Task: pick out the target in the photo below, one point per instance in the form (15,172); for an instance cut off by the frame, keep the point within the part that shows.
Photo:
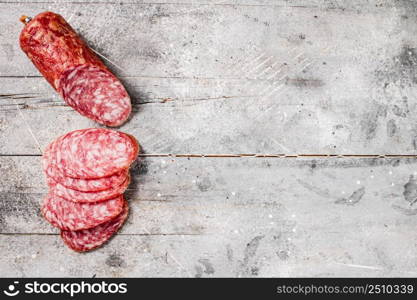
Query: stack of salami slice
(87,173)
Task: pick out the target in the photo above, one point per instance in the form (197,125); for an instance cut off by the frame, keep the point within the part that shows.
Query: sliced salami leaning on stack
(89,239)
(87,172)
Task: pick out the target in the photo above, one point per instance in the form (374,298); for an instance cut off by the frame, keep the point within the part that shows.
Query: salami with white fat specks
(68,215)
(95,153)
(95,93)
(83,185)
(89,239)
(88,197)
(74,70)
(87,172)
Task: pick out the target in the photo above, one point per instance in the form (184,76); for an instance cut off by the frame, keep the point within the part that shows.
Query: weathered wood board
(241,216)
(230,78)
(314,78)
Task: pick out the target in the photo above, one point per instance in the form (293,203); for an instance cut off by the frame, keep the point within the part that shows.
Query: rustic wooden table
(279,137)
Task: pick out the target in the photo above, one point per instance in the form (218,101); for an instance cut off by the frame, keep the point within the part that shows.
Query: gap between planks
(121,234)
(225,4)
(196,77)
(130,76)
(255,155)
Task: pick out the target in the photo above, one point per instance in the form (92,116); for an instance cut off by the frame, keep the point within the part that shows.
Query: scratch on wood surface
(406,211)
(179,264)
(107,59)
(321,192)
(28,128)
(181,99)
(360,266)
(279,144)
(18,96)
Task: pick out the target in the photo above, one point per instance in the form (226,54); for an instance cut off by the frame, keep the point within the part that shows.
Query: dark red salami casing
(73,69)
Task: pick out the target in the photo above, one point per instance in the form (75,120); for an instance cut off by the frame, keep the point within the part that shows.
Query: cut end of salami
(95,93)
(89,239)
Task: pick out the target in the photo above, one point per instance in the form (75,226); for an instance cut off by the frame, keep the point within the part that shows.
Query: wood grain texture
(230,78)
(213,116)
(311,79)
(276,216)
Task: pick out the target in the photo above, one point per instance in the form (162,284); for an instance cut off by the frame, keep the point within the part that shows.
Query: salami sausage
(68,215)
(88,197)
(95,152)
(73,70)
(89,239)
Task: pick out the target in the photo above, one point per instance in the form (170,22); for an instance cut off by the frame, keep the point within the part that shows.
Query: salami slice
(91,185)
(68,215)
(83,185)
(64,59)
(95,93)
(89,239)
(95,152)
(88,197)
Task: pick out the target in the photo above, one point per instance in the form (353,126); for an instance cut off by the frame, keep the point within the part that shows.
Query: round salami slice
(89,185)
(68,215)
(95,93)
(88,197)
(95,152)
(89,239)
(83,185)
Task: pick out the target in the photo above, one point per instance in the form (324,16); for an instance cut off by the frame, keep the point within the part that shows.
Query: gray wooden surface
(279,138)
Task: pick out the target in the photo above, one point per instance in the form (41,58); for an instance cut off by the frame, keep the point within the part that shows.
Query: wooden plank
(279,3)
(203,256)
(206,41)
(299,217)
(204,116)
(233,79)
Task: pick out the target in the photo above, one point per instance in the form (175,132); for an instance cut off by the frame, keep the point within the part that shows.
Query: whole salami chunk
(82,185)
(68,215)
(73,69)
(88,197)
(89,239)
(95,152)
